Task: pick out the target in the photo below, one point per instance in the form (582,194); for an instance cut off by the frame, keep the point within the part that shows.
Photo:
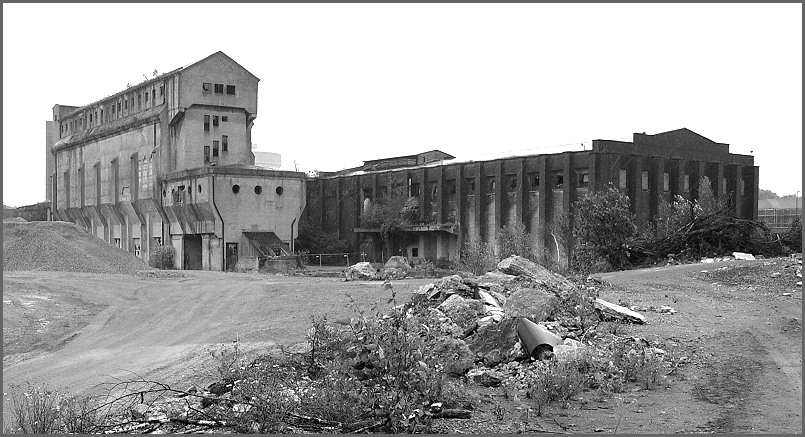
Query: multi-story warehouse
(472,201)
(169,161)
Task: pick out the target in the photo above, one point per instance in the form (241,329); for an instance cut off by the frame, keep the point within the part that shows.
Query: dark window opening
(382,191)
(230,89)
(451,187)
(414,252)
(512,183)
(146,97)
(490,185)
(559,181)
(139,101)
(199,188)
(215,120)
(471,186)
(154,95)
(224,119)
(258,189)
(206,123)
(434,190)
(219,88)
(224,143)
(279,191)
(206,153)
(584,179)
(215,149)
(206,87)
(161,90)
(236,188)
(414,190)
(118,106)
(126,104)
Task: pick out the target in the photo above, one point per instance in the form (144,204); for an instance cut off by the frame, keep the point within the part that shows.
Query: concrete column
(718,185)
(178,258)
(322,203)
(680,181)
(479,203)
(338,193)
(440,195)
(700,171)
(461,202)
(595,184)
(754,190)
(422,187)
(421,245)
(568,196)
(522,196)
(499,193)
(737,196)
(205,251)
(657,192)
(544,201)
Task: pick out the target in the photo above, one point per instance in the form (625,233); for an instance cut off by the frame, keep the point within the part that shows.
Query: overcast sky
(344,83)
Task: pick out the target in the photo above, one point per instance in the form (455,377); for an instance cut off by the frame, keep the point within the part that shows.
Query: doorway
(231,256)
(192,252)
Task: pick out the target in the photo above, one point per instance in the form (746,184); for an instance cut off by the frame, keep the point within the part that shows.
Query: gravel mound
(64,247)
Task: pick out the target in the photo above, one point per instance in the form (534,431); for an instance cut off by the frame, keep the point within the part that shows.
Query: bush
(477,258)
(39,410)
(603,228)
(162,258)
(515,240)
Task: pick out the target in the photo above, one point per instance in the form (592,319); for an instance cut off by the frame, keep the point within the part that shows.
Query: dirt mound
(62,246)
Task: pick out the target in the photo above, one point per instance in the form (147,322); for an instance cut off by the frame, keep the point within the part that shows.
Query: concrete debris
(619,312)
(516,265)
(486,377)
(398,262)
(463,312)
(362,271)
(743,256)
(708,260)
(529,302)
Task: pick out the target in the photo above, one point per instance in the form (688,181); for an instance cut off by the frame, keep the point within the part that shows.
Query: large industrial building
(471,201)
(169,162)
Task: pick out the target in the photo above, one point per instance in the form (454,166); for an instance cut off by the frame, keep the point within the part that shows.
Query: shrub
(477,258)
(604,227)
(162,258)
(515,240)
(39,410)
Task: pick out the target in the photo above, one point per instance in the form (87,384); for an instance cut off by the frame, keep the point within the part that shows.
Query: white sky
(344,83)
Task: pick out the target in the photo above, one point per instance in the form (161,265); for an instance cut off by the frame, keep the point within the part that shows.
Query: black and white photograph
(402,218)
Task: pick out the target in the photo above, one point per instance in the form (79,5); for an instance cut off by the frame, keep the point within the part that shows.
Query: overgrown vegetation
(162,258)
(41,410)
(602,230)
(477,258)
(391,213)
(314,240)
(515,240)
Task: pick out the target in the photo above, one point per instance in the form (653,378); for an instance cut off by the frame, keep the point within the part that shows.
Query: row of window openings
(666,182)
(136,245)
(219,88)
(224,119)
(178,194)
(115,109)
(224,148)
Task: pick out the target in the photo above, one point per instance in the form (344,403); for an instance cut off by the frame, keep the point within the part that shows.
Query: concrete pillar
(680,182)
(499,193)
(461,203)
(205,251)
(595,184)
(753,190)
(440,195)
(421,245)
(178,258)
(479,203)
(522,193)
(544,202)
(737,196)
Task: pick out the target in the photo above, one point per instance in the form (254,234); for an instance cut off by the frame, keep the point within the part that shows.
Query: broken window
(206,87)
(558,180)
(224,119)
(490,185)
(101,115)
(622,179)
(644,180)
(470,186)
(153,95)
(158,241)
(258,189)
(161,90)
(434,190)
(118,106)
(117,243)
(413,190)
(146,96)
(512,183)
(215,149)
(206,123)
(584,178)
(236,188)
(224,143)
(126,104)
(414,252)
(139,101)
(219,88)
(215,120)
(206,153)
(136,243)
(666,182)
(230,89)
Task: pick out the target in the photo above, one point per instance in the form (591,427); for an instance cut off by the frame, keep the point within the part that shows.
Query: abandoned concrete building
(169,162)
(471,201)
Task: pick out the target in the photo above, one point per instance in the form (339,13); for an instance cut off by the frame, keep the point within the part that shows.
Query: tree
(391,214)
(604,227)
(767,194)
(515,240)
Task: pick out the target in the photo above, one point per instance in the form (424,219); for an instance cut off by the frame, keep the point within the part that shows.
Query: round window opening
(199,188)
(235,188)
(279,190)
(258,189)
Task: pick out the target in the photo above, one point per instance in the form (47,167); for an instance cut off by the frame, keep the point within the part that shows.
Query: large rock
(517,265)
(453,354)
(397,262)
(463,312)
(360,271)
(446,325)
(533,303)
(495,343)
(487,280)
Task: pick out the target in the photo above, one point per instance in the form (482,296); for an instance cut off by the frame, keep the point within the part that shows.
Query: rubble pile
(62,246)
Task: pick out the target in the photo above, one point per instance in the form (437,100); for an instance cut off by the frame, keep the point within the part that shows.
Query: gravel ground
(62,246)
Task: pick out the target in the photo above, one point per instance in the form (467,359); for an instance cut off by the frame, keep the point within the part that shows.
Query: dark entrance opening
(192,252)
(231,256)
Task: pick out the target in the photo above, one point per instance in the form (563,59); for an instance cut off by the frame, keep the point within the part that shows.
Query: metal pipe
(223,241)
(292,245)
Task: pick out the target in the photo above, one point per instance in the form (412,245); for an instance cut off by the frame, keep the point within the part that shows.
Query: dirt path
(158,327)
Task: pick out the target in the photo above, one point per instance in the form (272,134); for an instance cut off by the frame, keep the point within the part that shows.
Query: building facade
(472,201)
(169,162)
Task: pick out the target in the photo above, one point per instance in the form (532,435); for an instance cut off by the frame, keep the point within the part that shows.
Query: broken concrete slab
(502,279)
(517,265)
(743,256)
(454,354)
(495,343)
(486,377)
(533,303)
(397,262)
(619,311)
(462,311)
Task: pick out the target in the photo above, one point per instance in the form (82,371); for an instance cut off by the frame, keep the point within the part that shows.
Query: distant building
(268,160)
(169,162)
(472,201)
(778,214)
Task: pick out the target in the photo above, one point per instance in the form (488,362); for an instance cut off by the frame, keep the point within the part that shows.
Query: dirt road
(75,330)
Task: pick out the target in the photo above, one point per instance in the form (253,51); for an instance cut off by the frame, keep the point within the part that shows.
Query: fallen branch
(452,414)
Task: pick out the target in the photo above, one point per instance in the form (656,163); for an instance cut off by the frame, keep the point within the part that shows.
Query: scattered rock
(743,256)
(398,262)
(454,354)
(529,302)
(516,265)
(494,344)
(360,271)
(463,312)
(486,377)
(619,312)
